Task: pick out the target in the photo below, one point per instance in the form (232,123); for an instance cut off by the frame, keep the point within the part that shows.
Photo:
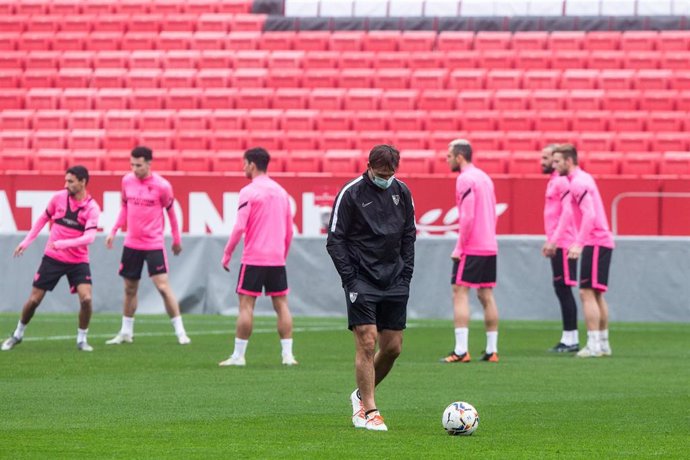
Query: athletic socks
(240,348)
(593,340)
(570,338)
(81,335)
(461,335)
(19,332)
(491,342)
(127,326)
(179,327)
(286,345)
(604,338)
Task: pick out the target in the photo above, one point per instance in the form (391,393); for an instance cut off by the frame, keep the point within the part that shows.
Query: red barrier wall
(206,201)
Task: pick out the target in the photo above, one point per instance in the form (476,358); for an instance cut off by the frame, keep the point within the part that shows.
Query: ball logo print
(460,419)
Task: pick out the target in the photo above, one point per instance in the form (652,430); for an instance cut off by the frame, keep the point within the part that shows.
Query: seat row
(348,161)
(235,139)
(134,7)
(420,79)
(340,99)
(345,60)
(246,34)
(676,123)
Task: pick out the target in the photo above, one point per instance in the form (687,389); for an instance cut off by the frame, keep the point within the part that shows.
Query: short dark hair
(259,156)
(462,147)
(142,152)
(568,151)
(80,172)
(384,156)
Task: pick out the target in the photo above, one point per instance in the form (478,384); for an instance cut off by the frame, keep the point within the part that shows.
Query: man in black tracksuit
(371,239)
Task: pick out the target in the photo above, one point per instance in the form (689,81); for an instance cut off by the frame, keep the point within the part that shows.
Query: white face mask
(383,183)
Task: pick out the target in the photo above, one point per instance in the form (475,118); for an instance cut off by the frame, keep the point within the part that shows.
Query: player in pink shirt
(264,217)
(73,217)
(474,256)
(594,244)
(560,234)
(145,195)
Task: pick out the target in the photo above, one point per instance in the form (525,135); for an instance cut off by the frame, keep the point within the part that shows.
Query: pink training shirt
(143,201)
(588,211)
(73,226)
(476,202)
(265,219)
(557,198)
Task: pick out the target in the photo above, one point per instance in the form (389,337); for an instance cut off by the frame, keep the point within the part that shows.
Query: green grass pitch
(157,399)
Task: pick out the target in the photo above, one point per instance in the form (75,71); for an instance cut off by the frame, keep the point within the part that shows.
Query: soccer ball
(460,418)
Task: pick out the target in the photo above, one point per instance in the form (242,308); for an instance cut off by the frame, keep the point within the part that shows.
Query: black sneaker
(490,357)
(563,348)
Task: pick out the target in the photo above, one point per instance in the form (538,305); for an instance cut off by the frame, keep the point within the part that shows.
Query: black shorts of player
(474,271)
(51,270)
(594,268)
(253,279)
(564,269)
(367,304)
(132,262)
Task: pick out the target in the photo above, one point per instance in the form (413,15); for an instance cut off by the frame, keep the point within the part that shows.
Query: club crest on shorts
(396,199)
(353,297)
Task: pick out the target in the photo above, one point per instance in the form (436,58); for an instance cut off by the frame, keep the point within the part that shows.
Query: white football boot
(375,422)
(10,343)
(233,361)
(119,339)
(84,346)
(358,419)
(183,339)
(289,360)
(588,352)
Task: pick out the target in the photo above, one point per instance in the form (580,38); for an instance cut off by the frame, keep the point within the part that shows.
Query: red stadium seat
(228,140)
(602,162)
(113,98)
(92,159)
(591,120)
(461,60)
(241,40)
(428,79)
(16,119)
(579,79)
(120,140)
(493,162)
(497,60)
(455,41)
(558,40)
(681,80)
(305,161)
(11,60)
(668,142)
(50,119)
(264,119)
(157,140)
(606,60)
(478,121)
(504,79)
(252,98)
(616,79)
(414,120)
(674,60)
(642,60)
(523,162)
(392,78)
(285,59)
(117,160)
(529,40)
(516,120)
(341,161)
(285,78)
(417,41)
(363,99)
(370,120)
(247,22)
(249,78)
(312,40)
(675,163)
(85,119)
(15,139)
(15,160)
(85,139)
(633,142)
(300,140)
(193,161)
(521,141)
(659,100)
(410,140)
(416,161)
(121,119)
(474,100)
(334,120)
(228,119)
(590,142)
(193,119)
(76,59)
(490,40)
(609,40)
(621,100)
(511,99)
(213,78)
(301,120)
(485,140)
(627,120)
(277,40)
(441,120)
(570,60)
(439,140)
(78,99)
(216,59)
(640,164)
(381,40)
(541,79)
(673,40)
(38,78)
(356,78)
(437,100)
(650,79)
(291,98)
(336,140)
(533,59)
(551,120)
(50,160)
(39,98)
(365,140)
(320,78)
(346,41)
(193,140)
(467,79)
(399,99)
(269,139)
(179,22)
(326,99)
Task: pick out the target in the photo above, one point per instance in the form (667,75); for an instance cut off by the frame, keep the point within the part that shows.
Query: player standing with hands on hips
(73,216)
(264,218)
(144,196)
(371,239)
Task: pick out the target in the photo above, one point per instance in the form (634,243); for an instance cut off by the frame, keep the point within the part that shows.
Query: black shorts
(564,269)
(371,305)
(51,270)
(253,279)
(132,262)
(474,271)
(594,268)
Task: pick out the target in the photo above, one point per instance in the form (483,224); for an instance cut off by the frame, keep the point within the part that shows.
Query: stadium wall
(648,280)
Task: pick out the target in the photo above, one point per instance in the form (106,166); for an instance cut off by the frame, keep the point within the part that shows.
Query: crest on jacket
(353,297)
(396,199)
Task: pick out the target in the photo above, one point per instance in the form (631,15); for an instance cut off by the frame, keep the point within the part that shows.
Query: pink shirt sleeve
(464,199)
(122,217)
(585,201)
(35,230)
(288,226)
(238,229)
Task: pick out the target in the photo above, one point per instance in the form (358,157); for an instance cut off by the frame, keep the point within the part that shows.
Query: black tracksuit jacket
(372,232)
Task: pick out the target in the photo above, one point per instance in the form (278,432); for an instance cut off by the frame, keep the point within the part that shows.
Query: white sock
(81,335)
(19,332)
(491,342)
(127,326)
(461,336)
(593,340)
(179,327)
(286,345)
(240,348)
(604,337)
(570,337)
